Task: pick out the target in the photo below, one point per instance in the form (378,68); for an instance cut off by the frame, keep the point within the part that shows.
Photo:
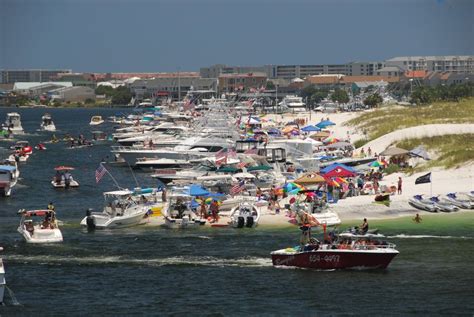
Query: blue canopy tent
(197,190)
(310,128)
(324,124)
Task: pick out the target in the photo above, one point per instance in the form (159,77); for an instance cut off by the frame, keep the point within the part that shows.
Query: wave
(425,236)
(154,262)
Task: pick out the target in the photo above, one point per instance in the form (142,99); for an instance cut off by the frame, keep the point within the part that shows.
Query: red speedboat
(348,250)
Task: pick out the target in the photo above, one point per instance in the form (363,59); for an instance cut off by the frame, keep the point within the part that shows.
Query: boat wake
(153,262)
(421,236)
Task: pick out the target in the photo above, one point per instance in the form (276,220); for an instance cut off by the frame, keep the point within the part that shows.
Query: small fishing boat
(346,251)
(244,215)
(13,123)
(2,279)
(456,200)
(99,136)
(46,231)
(120,211)
(178,213)
(8,179)
(96,120)
(47,123)
(421,203)
(63,178)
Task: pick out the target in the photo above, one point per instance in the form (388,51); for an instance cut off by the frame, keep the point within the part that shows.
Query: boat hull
(183,223)
(107,222)
(334,259)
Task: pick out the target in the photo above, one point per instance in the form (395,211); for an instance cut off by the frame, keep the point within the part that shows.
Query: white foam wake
(425,236)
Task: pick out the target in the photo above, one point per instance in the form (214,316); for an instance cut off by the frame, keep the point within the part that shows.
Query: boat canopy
(39,213)
(118,193)
(63,168)
(8,168)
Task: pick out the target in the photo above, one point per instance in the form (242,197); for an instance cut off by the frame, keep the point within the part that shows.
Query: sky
(171,35)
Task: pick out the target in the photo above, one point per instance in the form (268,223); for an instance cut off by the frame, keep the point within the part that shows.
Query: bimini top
(32,213)
(63,168)
(8,168)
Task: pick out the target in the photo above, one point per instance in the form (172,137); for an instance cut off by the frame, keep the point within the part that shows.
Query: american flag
(251,151)
(237,188)
(99,173)
(221,157)
(241,165)
(250,102)
(231,153)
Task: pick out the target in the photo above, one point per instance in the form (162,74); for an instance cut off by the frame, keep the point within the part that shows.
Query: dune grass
(388,119)
(451,151)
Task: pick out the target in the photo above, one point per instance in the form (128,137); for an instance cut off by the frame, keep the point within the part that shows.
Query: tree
(122,96)
(105,90)
(373,100)
(308,91)
(270,85)
(340,96)
(319,95)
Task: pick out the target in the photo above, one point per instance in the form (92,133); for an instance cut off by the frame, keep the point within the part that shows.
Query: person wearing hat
(51,206)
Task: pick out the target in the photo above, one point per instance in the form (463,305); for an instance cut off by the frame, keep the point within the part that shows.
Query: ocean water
(208,271)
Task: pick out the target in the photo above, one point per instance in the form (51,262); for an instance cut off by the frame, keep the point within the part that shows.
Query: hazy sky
(146,35)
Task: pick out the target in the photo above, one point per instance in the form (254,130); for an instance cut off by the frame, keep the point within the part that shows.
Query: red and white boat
(349,250)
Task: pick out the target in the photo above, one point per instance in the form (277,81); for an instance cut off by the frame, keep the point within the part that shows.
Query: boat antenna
(113,179)
(133,174)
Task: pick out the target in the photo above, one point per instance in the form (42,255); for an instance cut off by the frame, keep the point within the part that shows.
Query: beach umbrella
(310,178)
(394,151)
(376,164)
(330,140)
(324,124)
(310,128)
(294,191)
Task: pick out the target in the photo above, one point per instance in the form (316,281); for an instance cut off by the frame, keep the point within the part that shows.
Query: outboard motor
(249,223)
(240,222)
(90,221)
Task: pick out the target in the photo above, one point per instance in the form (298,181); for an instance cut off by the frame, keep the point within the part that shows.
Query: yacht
(192,148)
(47,123)
(13,123)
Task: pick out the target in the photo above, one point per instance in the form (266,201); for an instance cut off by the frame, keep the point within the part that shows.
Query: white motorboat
(2,279)
(46,231)
(458,201)
(63,178)
(443,205)
(162,163)
(178,213)
(96,120)
(421,203)
(8,179)
(120,211)
(320,214)
(244,215)
(47,123)
(293,103)
(13,123)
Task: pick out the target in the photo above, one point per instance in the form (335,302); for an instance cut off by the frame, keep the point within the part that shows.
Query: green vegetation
(373,100)
(340,96)
(270,85)
(119,96)
(425,94)
(451,150)
(388,119)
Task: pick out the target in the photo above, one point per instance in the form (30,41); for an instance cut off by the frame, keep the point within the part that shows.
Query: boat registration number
(325,258)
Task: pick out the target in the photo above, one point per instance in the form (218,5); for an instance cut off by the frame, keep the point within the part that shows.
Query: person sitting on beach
(364,227)
(417,218)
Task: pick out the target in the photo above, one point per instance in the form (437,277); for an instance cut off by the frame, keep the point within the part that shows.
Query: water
(209,271)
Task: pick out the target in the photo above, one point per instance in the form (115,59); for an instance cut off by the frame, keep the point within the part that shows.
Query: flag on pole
(237,188)
(251,151)
(423,179)
(221,157)
(241,165)
(232,153)
(100,172)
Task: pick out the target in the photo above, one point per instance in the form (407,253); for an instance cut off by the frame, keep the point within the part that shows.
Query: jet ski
(455,200)
(421,203)
(443,206)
